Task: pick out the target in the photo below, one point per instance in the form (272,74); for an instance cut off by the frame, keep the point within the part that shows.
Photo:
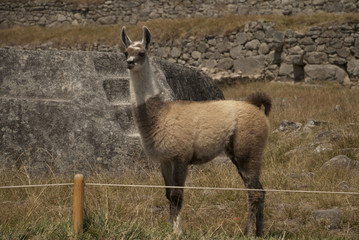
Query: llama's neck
(143,84)
(147,101)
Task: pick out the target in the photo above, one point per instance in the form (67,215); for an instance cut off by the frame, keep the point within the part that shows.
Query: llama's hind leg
(174,174)
(249,170)
(255,205)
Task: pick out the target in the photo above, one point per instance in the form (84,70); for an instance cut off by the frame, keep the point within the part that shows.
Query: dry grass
(164,29)
(66,1)
(135,213)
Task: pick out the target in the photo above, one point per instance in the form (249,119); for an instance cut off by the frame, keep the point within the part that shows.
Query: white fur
(177,225)
(142,85)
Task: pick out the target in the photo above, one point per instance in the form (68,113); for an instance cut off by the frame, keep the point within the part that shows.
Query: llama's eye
(142,54)
(126,54)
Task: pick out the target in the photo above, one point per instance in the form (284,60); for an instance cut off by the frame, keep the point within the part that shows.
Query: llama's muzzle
(130,62)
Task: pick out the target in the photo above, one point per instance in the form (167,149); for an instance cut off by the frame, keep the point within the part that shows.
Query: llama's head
(136,52)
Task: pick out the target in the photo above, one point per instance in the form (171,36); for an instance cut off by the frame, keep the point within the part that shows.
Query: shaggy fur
(181,133)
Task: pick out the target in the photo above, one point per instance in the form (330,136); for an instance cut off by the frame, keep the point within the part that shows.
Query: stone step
(121,103)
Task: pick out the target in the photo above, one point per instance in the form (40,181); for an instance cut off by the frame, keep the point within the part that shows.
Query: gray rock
(325,72)
(60,17)
(295,60)
(286,70)
(345,186)
(306,41)
(343,52)
(236,52)
(339,162)
(211,63)
(296,50)
(263,49)
(339,108)
(269,75)
(107,20)
(313,123)
(336,43)
(330,217)
(260,35)
(252,45)
(356,47)
(164,52)
(212,42)
(202,47)
(318,2)
(327,135)
(315,57)
(286,125)
(249,66)
(353,68)
(176,52)
(196,55)
(225,63)
(78,16)
(241,38)
(323,147)
(297,150)
(278,37)
(223,46)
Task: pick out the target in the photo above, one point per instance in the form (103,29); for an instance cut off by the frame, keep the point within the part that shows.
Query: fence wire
(182,187)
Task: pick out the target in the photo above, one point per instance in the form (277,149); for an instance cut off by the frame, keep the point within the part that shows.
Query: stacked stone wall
(261,52)
(77,12)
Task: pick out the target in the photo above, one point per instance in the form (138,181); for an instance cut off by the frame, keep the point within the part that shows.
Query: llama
(181,133)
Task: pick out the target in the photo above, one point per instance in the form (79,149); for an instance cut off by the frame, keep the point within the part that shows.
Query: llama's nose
(130,63)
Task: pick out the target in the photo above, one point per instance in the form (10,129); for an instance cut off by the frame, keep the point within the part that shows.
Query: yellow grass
(164,29)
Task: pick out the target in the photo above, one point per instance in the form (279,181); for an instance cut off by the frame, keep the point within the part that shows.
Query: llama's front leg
(174,174)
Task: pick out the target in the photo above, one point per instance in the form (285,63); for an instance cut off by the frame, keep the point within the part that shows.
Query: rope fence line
(79,193)
(184,187)
(37,185)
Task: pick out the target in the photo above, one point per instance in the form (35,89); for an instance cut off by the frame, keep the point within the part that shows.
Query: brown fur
(197,131)
(181,133)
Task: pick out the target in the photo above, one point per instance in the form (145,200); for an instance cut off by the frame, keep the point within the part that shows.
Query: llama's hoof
(176,226)
(177,231)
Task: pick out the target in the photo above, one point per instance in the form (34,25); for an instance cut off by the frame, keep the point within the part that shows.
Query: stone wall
(261,52)
(54,12)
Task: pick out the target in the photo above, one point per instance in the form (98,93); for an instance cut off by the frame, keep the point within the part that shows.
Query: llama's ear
(125,39)
(146,37)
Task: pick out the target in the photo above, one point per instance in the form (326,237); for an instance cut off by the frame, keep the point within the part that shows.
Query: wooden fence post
(78,208)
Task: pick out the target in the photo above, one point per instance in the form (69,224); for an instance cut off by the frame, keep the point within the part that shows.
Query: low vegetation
(164,29)
(290,162)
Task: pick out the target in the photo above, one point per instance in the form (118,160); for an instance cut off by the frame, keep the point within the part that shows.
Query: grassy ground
(164,29)
(135,213)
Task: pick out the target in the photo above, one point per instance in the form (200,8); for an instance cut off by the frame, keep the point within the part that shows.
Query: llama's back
(204,128)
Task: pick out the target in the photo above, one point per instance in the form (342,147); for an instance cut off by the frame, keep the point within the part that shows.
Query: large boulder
(65,112)
(339,162)
(249,66)
(326,72)
(353,68)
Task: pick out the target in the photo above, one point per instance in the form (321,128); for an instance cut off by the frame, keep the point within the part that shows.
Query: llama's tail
(258,99)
